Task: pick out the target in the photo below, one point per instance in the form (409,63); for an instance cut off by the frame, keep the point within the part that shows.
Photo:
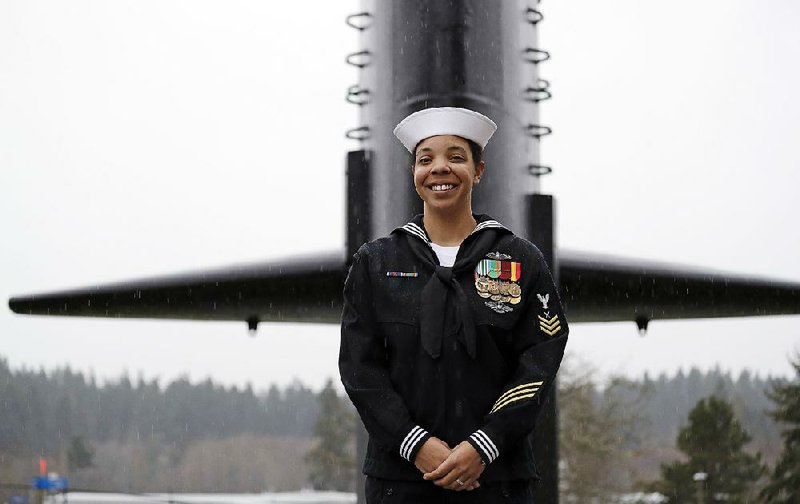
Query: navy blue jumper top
(461,353)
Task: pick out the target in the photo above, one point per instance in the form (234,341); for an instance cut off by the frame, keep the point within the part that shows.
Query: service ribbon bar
(504,270)
(404,274)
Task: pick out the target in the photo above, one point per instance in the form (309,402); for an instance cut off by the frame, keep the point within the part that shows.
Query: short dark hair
(477,152)
(474,148)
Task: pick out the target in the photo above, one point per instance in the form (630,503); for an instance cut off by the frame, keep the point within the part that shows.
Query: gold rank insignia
(549,326)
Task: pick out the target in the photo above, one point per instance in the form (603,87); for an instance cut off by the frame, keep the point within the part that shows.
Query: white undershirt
(446,255)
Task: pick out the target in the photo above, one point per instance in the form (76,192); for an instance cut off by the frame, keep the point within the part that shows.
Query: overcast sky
(147,137)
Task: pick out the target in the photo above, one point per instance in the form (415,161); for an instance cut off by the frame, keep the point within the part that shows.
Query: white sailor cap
(444,121)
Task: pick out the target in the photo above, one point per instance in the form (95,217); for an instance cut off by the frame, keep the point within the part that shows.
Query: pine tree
(332,459)
(80,454)
(784,484)
(713,443)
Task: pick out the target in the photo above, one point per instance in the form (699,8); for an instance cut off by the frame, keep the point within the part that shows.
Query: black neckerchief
(436,293)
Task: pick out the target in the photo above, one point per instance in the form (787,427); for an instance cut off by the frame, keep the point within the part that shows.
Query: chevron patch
(549,326)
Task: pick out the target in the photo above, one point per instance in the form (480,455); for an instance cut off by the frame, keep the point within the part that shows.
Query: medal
(496,280)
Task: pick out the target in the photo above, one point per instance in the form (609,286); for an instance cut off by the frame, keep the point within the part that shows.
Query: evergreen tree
(332,459)
(713,442)
(784,484)
(80,454)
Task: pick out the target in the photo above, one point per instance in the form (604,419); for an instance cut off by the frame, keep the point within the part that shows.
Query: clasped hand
(454,469)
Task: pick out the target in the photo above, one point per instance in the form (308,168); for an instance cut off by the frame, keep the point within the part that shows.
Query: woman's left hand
(459,471)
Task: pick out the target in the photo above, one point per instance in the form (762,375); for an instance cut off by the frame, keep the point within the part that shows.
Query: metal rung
(538,93)
(535,56)
(533,16)
(538,170)
(537,131)
(359,59)
(361,133)
(363,25)
(357,95)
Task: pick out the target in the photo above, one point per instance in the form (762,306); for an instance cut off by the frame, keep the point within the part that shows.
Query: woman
(452,333)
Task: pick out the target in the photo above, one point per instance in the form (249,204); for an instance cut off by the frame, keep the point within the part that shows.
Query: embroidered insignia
(496,280)
(404,274)
(524,391)
(498,306)
(549,326)
(498,256)
(544,300)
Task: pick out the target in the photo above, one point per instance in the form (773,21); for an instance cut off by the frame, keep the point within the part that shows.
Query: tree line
(140,435)
(40,410)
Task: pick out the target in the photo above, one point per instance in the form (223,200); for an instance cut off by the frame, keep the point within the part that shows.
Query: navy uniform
(462,353)
(475,366)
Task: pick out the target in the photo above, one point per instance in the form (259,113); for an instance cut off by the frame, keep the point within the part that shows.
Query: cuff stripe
(411,440)
(482,446)
(486,445)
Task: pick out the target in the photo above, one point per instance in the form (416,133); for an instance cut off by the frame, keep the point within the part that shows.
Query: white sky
(147,137)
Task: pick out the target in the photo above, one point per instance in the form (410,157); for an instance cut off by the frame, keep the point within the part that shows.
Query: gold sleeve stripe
(511,396)
(509,401)
(518,392)
(524,385)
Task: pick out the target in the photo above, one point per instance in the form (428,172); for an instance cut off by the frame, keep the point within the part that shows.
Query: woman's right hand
(433,452)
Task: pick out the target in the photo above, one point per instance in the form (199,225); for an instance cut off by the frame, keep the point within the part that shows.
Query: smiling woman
(444,173)
(452,333)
